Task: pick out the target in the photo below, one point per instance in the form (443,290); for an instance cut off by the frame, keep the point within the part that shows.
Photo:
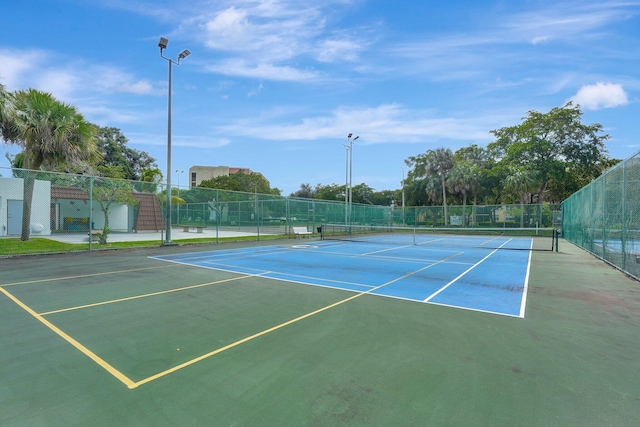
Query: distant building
(197,174)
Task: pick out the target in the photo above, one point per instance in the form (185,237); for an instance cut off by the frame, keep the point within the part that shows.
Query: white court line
(523,303)
(394,258)
(465,272)
(218,254)
(385,250)
(262,273)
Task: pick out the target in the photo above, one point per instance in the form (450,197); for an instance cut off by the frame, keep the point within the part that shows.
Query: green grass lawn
(39,245)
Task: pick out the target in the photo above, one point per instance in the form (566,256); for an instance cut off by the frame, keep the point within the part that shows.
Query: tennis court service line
(464,273)
(100,361)
(81,276)
(191,258)
(168,291)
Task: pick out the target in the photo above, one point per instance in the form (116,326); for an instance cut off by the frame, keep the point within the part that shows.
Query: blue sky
(276,85)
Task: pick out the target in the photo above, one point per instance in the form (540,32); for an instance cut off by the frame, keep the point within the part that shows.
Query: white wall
(13,189)
(118,216)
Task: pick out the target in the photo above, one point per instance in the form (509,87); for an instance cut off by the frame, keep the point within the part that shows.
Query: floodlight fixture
(162,44)
(349,185)
(184,54)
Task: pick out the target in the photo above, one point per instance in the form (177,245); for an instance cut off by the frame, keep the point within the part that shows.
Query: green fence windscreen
(604,216)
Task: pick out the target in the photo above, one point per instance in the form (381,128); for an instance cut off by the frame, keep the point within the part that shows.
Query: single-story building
(68,209)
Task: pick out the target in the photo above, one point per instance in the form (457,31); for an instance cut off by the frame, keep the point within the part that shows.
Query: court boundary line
(525,291)
(81,276)
(151,294)
(84,350)
(275,328)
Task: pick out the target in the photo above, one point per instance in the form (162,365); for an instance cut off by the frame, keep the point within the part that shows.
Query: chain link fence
(604,216)
(89,211)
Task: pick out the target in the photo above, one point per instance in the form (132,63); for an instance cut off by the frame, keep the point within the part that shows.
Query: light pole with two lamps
(179,172)
(350,141)
(162,44)
(403,218)
(346,184)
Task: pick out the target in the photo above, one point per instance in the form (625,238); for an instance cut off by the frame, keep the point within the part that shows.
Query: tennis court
(471,277)
(319,332)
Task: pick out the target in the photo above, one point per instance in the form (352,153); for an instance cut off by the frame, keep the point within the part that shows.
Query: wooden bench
(300,231)
(199,228)
(94,235)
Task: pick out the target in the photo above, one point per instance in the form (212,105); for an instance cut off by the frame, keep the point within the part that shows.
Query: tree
(106,191)
(8,120)
(51,134)
(115,152)
(332,192)
(386,197)
(462,178)
(519,182)
(362,194)
(548,143)
(434,163)
(306,191)
(479,162)
(149,180)
(240,181)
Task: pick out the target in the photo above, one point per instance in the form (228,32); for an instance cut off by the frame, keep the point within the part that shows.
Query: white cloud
(565,21)
(338,49)
(255,92)
(601,95)
(16,65)
(66,80)
(264,71)
(268,31)
(387,123)
(274,39)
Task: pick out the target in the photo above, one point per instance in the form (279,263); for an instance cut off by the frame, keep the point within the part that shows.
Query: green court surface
(116,338)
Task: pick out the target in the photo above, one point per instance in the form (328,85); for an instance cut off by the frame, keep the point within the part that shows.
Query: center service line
(465,272)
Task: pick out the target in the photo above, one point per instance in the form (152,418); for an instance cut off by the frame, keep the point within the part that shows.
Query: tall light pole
(162,44)
(351,141)
(346,184)
(179,172)
(402,195)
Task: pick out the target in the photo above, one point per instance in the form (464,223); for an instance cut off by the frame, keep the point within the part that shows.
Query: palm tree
(439,163)
(520,182)
(51,134)
(462,179)
(7,115)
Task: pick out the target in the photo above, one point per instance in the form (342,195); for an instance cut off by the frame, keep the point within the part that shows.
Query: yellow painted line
(275,328)
(113,371)
(46,313)
(84,275)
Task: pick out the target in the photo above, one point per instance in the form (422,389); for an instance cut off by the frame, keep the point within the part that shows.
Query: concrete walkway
(176,234)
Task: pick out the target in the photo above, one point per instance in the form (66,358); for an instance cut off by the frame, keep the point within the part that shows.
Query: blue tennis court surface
(487,280)
(615,245)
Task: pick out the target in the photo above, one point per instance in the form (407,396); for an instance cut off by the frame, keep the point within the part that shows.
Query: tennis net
(540,239)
